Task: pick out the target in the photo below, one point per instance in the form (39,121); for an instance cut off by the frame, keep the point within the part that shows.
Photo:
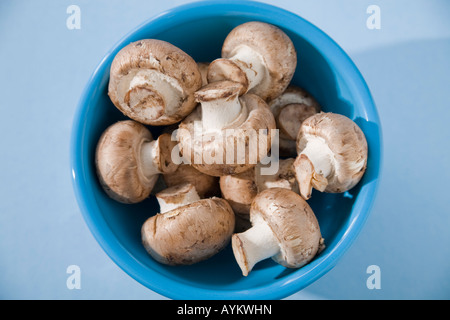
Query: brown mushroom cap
(273,45)
(164,154)
(283,178)
(292,222)
(218,90)
(290,109)
(347,143)
(190,233)
(227,70)
(259,118)
(207,186)
(144,102)
(240,189)
(118,162)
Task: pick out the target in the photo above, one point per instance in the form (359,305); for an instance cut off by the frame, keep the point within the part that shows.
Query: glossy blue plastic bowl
(324,70)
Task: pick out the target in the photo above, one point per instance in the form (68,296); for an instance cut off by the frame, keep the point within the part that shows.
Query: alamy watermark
(373,22)
(374,280)
(73,21)
(74,279)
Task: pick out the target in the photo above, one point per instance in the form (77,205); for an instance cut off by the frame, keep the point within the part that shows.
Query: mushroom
(258,55)
(177,196)
(187,230)
(284,228)
(207,186)
(290,109)
(153,82)
(128,160)
(203,68)
(226,134)
(240,189)
(332,154)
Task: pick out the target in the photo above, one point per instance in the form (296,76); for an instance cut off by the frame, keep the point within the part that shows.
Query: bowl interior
(323,69)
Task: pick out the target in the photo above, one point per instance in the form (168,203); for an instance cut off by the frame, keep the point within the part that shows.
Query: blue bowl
(199,29)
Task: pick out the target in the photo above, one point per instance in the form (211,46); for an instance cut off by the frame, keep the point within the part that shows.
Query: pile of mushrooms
(203,107)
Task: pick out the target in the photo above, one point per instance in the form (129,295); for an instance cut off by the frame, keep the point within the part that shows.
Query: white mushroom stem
(176,197)
(251,63)
(220,105)
(313,166)
(256,244)
(216,114)
(149,158)
(320,155)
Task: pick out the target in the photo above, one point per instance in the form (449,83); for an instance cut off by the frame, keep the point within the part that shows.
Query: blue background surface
(44,67)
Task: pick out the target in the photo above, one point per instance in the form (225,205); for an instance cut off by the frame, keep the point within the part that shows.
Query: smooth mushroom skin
(240,189)
(207,186)
(153,82)
(284,228)
(258,55)
(290,109)
(128,160)
(190,233)
(332,154)
(207,147)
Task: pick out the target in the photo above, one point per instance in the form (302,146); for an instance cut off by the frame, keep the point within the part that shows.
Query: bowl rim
(176,290)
